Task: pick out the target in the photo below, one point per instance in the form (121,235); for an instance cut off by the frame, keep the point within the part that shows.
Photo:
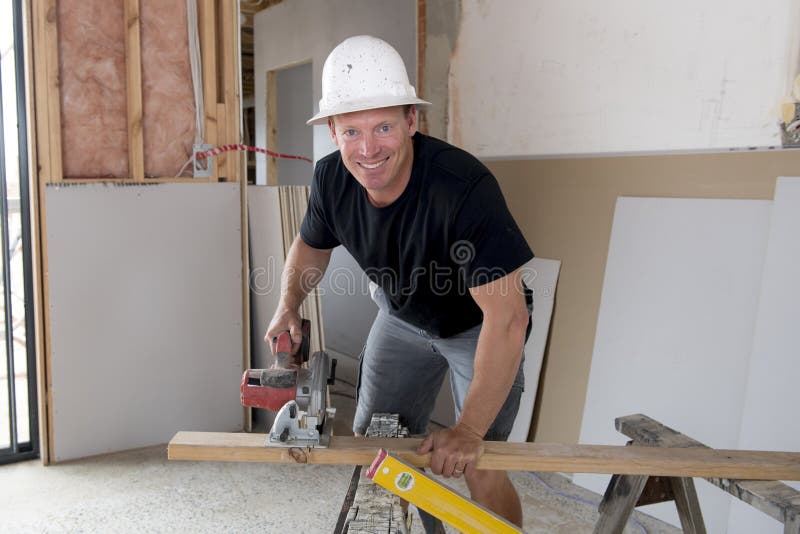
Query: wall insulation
(94,97)
(168,123)
(92,75)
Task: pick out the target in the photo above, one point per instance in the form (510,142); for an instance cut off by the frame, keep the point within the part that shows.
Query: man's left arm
(497,358)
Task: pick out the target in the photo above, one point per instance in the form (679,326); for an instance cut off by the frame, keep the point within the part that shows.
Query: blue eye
(385,128)
(350,132)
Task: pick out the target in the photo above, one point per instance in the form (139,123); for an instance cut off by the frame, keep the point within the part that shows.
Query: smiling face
(376,148)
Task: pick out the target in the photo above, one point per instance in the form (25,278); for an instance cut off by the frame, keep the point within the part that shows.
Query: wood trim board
(133,61)
(547,457)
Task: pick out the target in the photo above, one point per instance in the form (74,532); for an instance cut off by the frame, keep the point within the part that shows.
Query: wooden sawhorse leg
(792,525)
(626,492)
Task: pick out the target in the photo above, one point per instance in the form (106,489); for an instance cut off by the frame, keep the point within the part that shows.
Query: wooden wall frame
(219,31)
(218,22)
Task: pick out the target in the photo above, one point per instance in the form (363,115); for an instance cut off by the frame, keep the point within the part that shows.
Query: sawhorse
(625,492)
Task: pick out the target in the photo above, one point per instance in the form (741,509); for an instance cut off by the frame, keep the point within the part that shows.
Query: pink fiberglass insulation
(168,124)
(92,74)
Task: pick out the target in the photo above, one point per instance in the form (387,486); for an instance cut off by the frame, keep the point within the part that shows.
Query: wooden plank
(272,131)
(40,170)
(618,502)
(774,498)
(688,506)
(133,63)
(792,525)
(422,39)
(52,81)
(221,160)
(230,62)
(548,457)
(49,170)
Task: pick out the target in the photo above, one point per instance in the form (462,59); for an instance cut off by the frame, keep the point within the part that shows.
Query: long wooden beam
(548,457)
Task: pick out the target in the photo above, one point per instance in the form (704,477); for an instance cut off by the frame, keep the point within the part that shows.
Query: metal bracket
(202,167)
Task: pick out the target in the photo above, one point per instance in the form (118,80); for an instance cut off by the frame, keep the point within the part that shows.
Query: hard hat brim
(362,105)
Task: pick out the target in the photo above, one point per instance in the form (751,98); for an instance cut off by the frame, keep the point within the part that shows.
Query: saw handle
(288,353)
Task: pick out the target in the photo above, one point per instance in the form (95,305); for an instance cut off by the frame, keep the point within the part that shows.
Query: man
(428,224)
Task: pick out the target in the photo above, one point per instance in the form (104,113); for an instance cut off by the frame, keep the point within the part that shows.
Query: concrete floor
(140,491)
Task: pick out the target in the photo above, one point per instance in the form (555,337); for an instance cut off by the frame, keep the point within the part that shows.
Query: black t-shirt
(448,231)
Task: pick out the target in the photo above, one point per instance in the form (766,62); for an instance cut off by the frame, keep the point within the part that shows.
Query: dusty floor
(140,491)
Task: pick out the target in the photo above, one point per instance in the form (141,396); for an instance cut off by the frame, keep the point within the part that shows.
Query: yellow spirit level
(440,501)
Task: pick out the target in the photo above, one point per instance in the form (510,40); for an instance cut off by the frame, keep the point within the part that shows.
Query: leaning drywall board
(676,324)
(540,275)
(145,313)
(769,420)
(583,77)
(266,264)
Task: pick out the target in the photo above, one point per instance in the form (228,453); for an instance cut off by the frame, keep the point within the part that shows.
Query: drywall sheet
(168,113)
(92,80)
(582,77)
(540,275)
(769,420)
(675,326)
(145,313)
(347,309)
(266,265)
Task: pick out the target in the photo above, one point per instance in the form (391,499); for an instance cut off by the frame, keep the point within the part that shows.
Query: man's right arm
(303,270)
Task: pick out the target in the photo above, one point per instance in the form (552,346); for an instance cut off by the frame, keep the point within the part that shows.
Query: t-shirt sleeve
(489,245)
(315,230)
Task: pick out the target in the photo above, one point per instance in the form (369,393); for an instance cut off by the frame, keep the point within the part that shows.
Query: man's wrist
(288,304)
(471,429)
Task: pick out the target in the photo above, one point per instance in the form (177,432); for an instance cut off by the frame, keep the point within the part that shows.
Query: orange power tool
(294,386)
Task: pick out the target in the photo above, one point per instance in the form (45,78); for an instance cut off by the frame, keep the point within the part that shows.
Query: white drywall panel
(675,326)
(769,420)
(347,310)
(301,30)
(584,77)
(266,265)
(145,313)
(541,276)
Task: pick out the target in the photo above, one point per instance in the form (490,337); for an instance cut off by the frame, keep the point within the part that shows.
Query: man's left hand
(455,451)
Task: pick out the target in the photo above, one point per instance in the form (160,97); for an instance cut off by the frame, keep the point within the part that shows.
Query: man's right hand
(284,320)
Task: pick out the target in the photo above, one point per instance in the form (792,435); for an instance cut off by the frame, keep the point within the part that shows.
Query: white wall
(293,88)
(676,325)
(297,31)
(536,77)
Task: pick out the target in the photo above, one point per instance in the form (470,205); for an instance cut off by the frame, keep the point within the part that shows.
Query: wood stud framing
(272,130)
(133,62)
(218,23)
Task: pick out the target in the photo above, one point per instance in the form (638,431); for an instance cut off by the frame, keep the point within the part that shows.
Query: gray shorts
(402,368)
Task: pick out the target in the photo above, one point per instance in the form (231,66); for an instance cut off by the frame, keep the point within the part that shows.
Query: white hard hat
(363,72)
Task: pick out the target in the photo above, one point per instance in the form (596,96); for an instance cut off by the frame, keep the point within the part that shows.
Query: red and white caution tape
(245,148)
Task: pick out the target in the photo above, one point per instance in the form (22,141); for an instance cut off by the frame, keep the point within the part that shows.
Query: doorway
(289,106)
